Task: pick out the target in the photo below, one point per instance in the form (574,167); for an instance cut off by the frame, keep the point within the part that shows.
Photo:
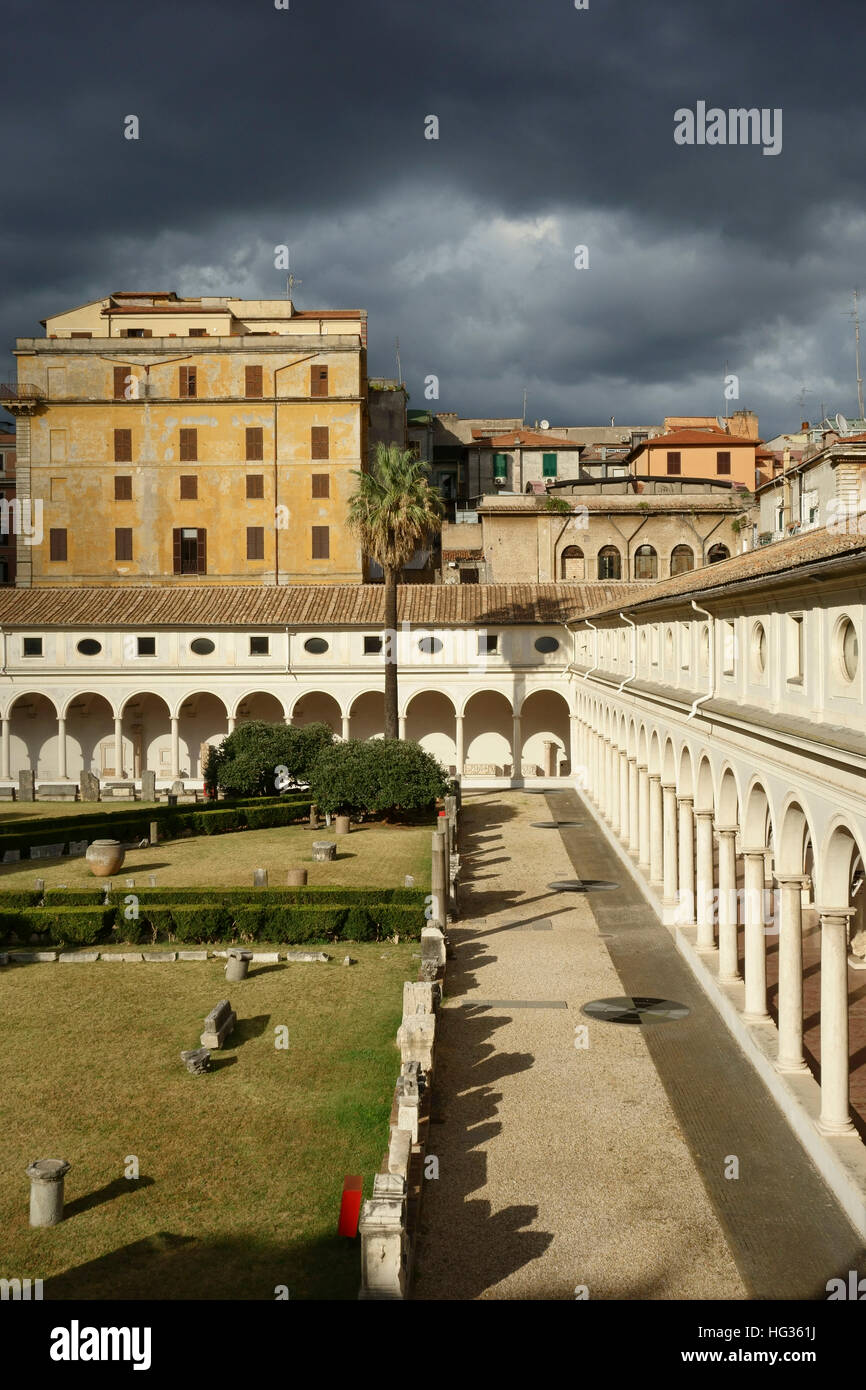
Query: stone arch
(682,560)
(318,707)
(487,730)
(704,791)
(609,563)
(646,562)
(795,836)
(543,722)
(669,764)
(757,829)
(89,728)
(717,553)
(685,778)
(728,799)
(572,563)
(655,755)
(33,735)
(430,721)
(146,738)
(259,704)
(841,854)
(203,724)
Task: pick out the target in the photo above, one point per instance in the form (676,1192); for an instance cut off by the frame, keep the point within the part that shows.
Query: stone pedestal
(148,785)
(314,816)
(26,786)
(46,1190)
(196,1061)
(296,878)
(384,1241)
(341,825)
(88,786)
(324,851)
(238,965)
(260,878)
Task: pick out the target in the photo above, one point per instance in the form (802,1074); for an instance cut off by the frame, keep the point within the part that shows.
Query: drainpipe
(712,661)
(288,649)
(633,627)
(588,673)
(3,670)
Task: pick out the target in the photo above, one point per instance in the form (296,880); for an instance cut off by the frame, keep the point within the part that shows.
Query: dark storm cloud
(261,126)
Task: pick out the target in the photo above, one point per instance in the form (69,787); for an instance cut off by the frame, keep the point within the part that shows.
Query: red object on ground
(350,1206)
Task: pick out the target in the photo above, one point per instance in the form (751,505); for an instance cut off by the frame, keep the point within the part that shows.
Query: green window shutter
(548,465)
(500,465)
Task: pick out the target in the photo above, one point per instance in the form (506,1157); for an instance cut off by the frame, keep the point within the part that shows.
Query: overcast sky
(306,126)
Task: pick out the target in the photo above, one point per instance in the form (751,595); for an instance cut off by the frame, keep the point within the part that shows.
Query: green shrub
(156,924)
(18,897)
(79,926)
(246,762)
(14,924)
(391,775)
(74,897)
(211,923)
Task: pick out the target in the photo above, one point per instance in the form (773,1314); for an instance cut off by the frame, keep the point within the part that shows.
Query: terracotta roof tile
(302,605)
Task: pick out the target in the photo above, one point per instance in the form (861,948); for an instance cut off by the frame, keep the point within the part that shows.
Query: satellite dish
(545,424)
(842,424)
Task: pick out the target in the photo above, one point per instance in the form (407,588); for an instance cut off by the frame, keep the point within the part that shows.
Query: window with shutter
(723,461)
(188,486)
(253,383)
(674,463)
(57,543)
(120,375)
(123,543)
(201,552)
(500,465)
(318,381)
(255,485)
(198,332)
(176,549)
(123,446)
(548,465)
(319,442)
(187,384)
(321,543)
(255,448)
(123,489)
(81,335)
(255,542)
(189,446)
(321,484)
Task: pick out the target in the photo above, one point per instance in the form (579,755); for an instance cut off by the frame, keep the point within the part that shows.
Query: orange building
(696,453)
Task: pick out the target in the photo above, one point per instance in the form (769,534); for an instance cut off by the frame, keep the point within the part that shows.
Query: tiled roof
(526,439)
(725,501)
(783,558)
(303,605)
(691,437)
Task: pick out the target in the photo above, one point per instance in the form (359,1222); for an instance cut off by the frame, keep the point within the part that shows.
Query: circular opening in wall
(317,646)
(759,648)
(639,1009)
(202,646)
(88,646)
(546,644)
(429,645)
(848,648)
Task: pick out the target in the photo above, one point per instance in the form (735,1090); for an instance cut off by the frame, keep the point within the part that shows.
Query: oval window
(546,644)
(316,645)
(759,648)
(88,646)
(202,646)
(429,645)
(849,649)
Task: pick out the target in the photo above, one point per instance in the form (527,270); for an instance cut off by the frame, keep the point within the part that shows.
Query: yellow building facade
(191,440)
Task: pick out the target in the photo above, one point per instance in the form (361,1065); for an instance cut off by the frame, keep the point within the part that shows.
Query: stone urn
(341,825)
(105,857)
(238,965)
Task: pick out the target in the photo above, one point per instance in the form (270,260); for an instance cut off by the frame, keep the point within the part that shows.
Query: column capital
(633,761)
(655,777)
(754,851)
(642,767)
(669,787)
(727,829)
(801,879)
(705,815)
(842,915)
(685,801)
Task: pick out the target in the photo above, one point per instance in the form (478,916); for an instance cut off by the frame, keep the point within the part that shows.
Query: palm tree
(393,509)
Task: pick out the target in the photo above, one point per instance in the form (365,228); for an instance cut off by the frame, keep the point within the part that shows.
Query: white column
(608,782)
(623,797)
(401,726)
(755,940)
(175,746)
(345,727)
(61,749)
(614,789)
(458,738)
(595,763)
(669,844)
(704,838)
(574,745)
(656,824)
(729,968)
(118,746)
(633,833)
(790,973)
(5,760)
(686,865)
(835,1118)
(230,724)
(516,742)
(643,803)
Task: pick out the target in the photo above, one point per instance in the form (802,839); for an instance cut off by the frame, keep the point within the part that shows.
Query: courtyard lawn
(241,1170)
(374,855)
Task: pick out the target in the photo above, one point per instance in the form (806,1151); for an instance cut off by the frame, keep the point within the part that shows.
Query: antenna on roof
(524,404)
(855,315)
(399,368)
(842,424)
(290,286)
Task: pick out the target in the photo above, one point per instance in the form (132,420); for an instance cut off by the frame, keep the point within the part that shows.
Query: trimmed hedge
(81,926)
(344,897)
(11,898)
(213,820)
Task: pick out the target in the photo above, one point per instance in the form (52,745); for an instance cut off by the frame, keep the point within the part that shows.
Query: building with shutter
(177,440)
(10,519)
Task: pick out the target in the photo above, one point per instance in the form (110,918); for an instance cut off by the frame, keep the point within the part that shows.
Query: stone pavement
(603,1167)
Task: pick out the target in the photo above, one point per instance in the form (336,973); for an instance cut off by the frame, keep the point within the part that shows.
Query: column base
(791,1068)
(835,1127)
(755,1018)
(856,963)
(734,979)
(706,950)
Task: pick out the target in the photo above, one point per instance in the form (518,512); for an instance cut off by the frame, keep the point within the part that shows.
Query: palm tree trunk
(391,722)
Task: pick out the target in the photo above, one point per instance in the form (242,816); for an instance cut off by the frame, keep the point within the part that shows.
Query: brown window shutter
(81,335)
(319,442)
(120,375)
(674,463)
(175,535)
(255,542)
(123,543)
(723,461)
(321,543)
(318,381)
(123,446)
(321,484)
(198,332)
(123,489)
(187,381)
(57,543)
(253,383)
(201,551)
(146,333)
(188,486)
(255,485)
(255,446)
(189,446)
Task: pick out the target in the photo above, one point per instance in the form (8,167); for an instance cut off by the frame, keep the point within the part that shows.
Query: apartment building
(175,440)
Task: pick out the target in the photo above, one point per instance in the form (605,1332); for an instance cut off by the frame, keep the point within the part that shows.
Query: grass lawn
(373,855)
(241,1170)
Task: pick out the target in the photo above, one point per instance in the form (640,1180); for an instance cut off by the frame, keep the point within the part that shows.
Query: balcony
(21,398)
